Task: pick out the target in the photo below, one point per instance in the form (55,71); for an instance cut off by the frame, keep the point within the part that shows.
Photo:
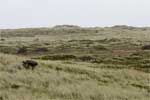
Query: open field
(75,63)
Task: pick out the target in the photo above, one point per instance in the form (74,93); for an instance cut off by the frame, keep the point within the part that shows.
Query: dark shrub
(36,40)
(42,49)
(59,57)
(99,47)
(144,54)
(86,41)
(1,98)
(15,86)
(22,50)
(87,58)
(146,47)
(7,49)
(2,39)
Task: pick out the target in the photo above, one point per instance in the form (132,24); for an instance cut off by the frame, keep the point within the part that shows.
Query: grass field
(75,63)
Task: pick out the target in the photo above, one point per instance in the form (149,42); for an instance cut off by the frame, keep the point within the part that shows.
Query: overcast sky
(45,13)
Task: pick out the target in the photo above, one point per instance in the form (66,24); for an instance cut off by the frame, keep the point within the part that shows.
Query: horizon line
(82,26)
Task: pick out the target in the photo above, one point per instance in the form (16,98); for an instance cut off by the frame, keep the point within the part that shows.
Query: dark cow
(29,64)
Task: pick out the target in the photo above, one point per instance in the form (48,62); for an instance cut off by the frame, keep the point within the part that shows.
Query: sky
(87,13)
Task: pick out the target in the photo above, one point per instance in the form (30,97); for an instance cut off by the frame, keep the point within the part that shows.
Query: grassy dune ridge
(75,63)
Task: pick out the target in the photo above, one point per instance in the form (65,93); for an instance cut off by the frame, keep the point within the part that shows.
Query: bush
(58,57)
(7,49)
(2,39)
(99,47)
(146,47)
(22,50)
(42,49)
(87,58)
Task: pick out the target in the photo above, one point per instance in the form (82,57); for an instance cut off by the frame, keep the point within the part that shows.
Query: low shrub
(146,47)
(41,49)
(22,50)
(58,57)
(99,47)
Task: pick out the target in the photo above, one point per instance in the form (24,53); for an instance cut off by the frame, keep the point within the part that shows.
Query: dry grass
(69,80)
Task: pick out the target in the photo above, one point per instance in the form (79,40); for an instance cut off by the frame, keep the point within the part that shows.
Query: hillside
(75,63)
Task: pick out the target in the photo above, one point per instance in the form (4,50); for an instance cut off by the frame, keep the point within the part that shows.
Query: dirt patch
(123,52)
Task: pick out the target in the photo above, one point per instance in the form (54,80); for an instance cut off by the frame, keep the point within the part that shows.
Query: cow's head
(24,62)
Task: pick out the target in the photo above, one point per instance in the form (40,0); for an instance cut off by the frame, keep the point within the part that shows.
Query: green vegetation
(75,63)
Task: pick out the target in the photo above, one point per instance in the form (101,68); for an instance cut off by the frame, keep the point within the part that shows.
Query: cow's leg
(32,67)
(28,66)
(25,66)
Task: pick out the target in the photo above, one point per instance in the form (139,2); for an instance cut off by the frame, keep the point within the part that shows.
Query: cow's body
(29,64)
